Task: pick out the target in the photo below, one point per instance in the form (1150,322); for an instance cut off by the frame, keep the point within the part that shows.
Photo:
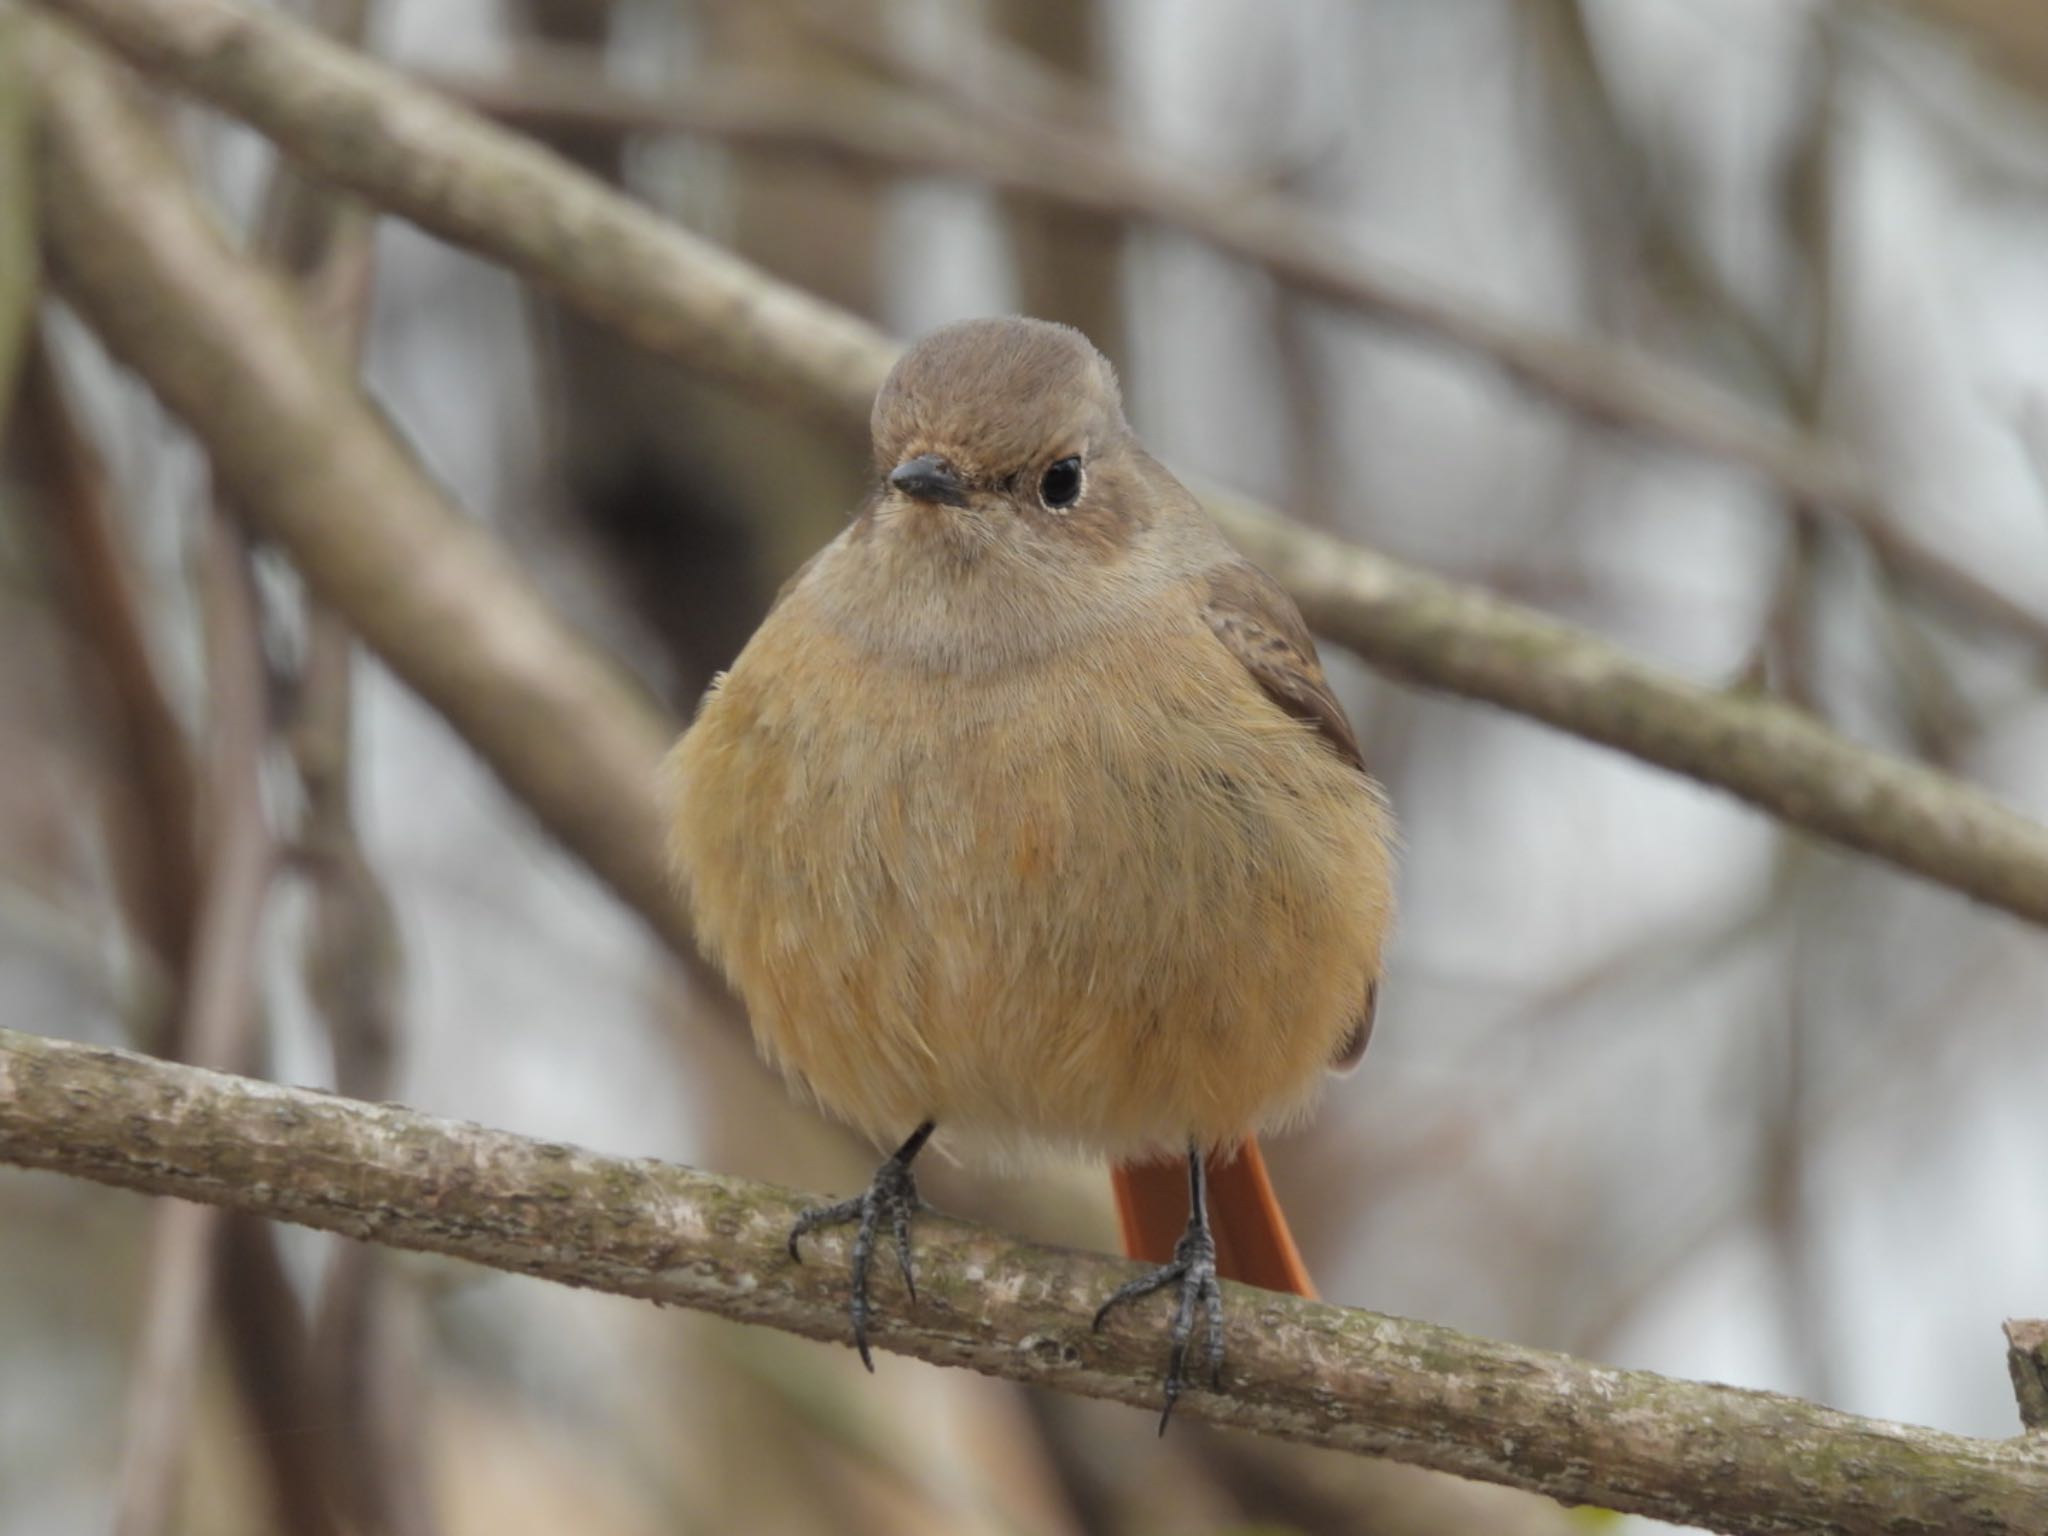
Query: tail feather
(1253,1243)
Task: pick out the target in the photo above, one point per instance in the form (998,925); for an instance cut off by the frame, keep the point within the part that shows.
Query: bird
(1027,818)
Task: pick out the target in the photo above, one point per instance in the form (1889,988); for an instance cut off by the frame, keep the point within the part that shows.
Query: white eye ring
(1062,484)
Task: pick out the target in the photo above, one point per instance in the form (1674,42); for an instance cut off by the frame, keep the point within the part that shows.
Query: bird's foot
(1193,1271)
(892,1198)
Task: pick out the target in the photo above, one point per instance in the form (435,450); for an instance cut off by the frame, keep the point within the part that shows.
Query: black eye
(1060,486)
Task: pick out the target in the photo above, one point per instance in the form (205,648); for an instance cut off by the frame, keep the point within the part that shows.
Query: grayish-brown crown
(997,398)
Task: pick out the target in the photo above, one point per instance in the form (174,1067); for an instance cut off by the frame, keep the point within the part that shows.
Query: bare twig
(238,1266)
(1785,1064)
(179,1263)
(352,953)
(367,1383)
(215,1029)
(356,1370)
(1732,1460)
(2027,1358)
(266,1337)
(160,870)
(367,1377)
(448,611)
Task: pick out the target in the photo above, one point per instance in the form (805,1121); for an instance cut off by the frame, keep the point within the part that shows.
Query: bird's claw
(1193,1271)
(892,1195)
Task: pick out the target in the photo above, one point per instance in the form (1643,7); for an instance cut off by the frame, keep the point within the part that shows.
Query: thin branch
(367,1376)
(215,1028)
(222,344)
(2027,1358)
(355,1371)
(252,1296)
(1785,1062)
(353,950)
(165,1370)
(366,1381)
(102,584)
(267,1347)
(1700,1454)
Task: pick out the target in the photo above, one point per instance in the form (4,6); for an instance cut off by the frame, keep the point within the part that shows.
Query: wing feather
(1259,625)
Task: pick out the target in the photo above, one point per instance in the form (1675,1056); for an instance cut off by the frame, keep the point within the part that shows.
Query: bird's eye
(1060,486)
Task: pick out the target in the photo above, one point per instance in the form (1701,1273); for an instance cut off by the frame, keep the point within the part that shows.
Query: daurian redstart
(1028,815)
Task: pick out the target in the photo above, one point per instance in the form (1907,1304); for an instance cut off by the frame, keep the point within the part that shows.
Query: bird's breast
(1113,897)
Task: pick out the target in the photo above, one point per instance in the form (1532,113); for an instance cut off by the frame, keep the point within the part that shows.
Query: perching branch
(1700,1454)
(221,343)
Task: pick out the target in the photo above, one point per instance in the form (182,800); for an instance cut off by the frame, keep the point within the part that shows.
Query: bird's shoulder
(1258,623)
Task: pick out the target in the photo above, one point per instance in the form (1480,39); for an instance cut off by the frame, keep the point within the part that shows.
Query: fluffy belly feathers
(1072,909)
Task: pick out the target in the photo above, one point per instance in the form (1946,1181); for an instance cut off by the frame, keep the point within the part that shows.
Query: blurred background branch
(314,468)
(215,1026)
(396,144)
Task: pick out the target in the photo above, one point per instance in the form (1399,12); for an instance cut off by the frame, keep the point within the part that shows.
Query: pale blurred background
(1654,1082)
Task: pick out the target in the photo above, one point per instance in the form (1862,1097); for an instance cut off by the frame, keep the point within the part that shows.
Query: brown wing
(1259,625)
(1359,1036)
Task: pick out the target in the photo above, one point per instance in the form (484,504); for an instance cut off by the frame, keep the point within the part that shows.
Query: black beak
(929,478)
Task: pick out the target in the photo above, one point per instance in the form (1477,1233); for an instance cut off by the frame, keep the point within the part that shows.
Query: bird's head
(1008,435)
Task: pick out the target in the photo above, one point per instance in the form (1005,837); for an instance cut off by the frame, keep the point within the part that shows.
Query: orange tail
(1252,1240)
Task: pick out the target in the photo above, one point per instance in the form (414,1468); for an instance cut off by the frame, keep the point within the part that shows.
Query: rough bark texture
(218,340)
(1696,1453)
